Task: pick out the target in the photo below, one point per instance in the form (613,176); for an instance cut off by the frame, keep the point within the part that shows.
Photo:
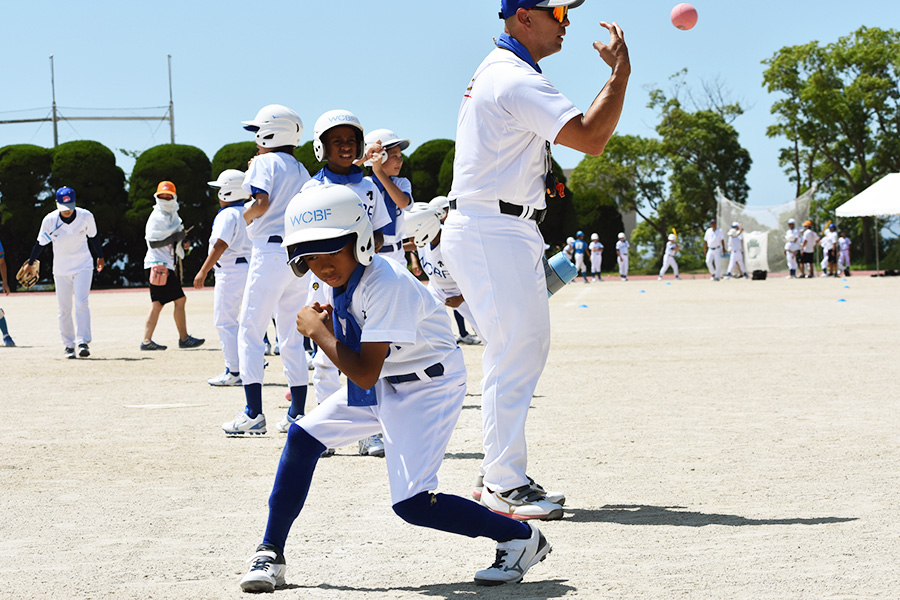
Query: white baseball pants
(579,263)
(623,265)
(737,258)
(669,261)
(714,262)
(843,260)
(596,263)
(272,289)
(227,295)
(77,287)
(496,261)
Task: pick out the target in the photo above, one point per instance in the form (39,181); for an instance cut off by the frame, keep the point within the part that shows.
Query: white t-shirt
(622,248)
(432,261)
(829,240)
(508,113)
(737,243)
(791,234)
(369,196)
(714,238)
(406,187)
(390,305)
(281,176)
(809,238)
(70,248)
(844,244)
(229,226)
(670,248)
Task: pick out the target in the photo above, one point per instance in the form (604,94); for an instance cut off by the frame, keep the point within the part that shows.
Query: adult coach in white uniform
(73,233)
(713,244)
(510,114)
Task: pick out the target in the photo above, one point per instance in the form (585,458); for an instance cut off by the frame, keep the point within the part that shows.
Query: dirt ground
(721,440)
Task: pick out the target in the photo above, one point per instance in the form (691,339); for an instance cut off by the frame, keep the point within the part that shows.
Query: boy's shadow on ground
(638,514)
(554,588)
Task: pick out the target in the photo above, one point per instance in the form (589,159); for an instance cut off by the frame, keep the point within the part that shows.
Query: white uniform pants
(416,418)
(579,263)
(791,260)
(227,295)
(737,258)
(843,260)
(596,262)
(623,265)
(75,287)
(714,262)
(496,261)
(669,261)
(272,289)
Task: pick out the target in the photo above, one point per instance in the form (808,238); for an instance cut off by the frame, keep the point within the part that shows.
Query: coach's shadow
(552,588)
(638,514)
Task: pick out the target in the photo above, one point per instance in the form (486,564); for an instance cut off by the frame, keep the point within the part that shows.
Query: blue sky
(399,64)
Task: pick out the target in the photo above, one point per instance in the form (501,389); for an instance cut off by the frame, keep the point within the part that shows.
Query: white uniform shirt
(670,248)
(507,115)
(844,244)
(406,187)
(596,247)
(390,305)
(736,242)
(281,176)
(809,238)
(569,251)
(432,261)
(713,238)
(369,196)
(791,235)
(230,227)
(70,248)
(622,248)
(829,241)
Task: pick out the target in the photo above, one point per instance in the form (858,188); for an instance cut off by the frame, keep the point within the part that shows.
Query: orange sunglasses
(559,12)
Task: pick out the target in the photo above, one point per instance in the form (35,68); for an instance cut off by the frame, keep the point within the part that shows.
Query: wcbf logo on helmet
(311,216)
(336,118)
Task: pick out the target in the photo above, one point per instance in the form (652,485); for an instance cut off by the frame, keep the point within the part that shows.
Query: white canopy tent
(881,199)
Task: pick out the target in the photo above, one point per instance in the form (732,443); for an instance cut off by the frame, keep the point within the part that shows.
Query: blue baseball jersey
(579,246)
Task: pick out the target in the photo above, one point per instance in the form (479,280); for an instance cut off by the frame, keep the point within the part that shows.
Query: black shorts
(166,293)
(806,258)
(832,256)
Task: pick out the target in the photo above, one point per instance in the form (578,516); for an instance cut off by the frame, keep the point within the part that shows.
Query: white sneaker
(285,423)
(244,424)
(226,378)
(522,503)
(309,361)
(554,497)
(514,558)
(467,339)
(266,572)
(372,446)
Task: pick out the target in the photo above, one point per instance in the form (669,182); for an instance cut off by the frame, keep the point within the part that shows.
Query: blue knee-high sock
(298,401)
(253,393)
(3,328)
(454,514)
(295,471)
(460,324)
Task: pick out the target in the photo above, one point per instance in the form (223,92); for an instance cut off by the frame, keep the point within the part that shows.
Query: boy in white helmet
(272,179)
(791,248)
(406,377)
(596,249)
(669,257)
(580,248)
(736,248)
(229,253)
(339,140)
(384,153)
(622,256)
(569,249)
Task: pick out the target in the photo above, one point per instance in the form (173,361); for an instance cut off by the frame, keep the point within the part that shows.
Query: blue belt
(240,260)
(435,370)
(389,248)
(275,239)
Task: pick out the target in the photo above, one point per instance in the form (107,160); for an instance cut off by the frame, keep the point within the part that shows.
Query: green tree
(307,155)
(90,169)
(189,169)
(839,111)
(25,197)
(233,156)
(425,165)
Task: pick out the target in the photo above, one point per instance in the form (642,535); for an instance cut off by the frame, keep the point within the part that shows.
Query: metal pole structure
(53,90)
(171,103)
(877,267)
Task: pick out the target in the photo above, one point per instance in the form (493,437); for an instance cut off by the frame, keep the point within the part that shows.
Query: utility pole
(53,91)
(171,104)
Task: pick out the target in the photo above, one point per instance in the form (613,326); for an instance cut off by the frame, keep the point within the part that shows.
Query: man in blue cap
(510,114)
(73,233)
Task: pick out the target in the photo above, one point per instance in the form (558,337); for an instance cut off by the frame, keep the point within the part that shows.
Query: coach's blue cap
(65,198)
(509,7)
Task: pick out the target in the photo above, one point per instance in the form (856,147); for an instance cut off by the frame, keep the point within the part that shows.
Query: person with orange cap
(808,241)
(165,247)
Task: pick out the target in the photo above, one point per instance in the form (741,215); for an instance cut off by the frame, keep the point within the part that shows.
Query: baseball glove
(26,277)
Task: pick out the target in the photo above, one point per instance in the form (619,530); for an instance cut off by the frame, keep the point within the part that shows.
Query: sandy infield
(715,440)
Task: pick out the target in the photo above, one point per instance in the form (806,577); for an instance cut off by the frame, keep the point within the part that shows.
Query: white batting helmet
(672,237)
(595,236)
(622,236)
(324,219)
(442,203)
(570,240)
(423,223)
(229,185)
(275,126)
(335,118)
(388,138)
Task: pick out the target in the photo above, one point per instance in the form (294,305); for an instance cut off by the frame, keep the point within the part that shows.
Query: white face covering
(167,206)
